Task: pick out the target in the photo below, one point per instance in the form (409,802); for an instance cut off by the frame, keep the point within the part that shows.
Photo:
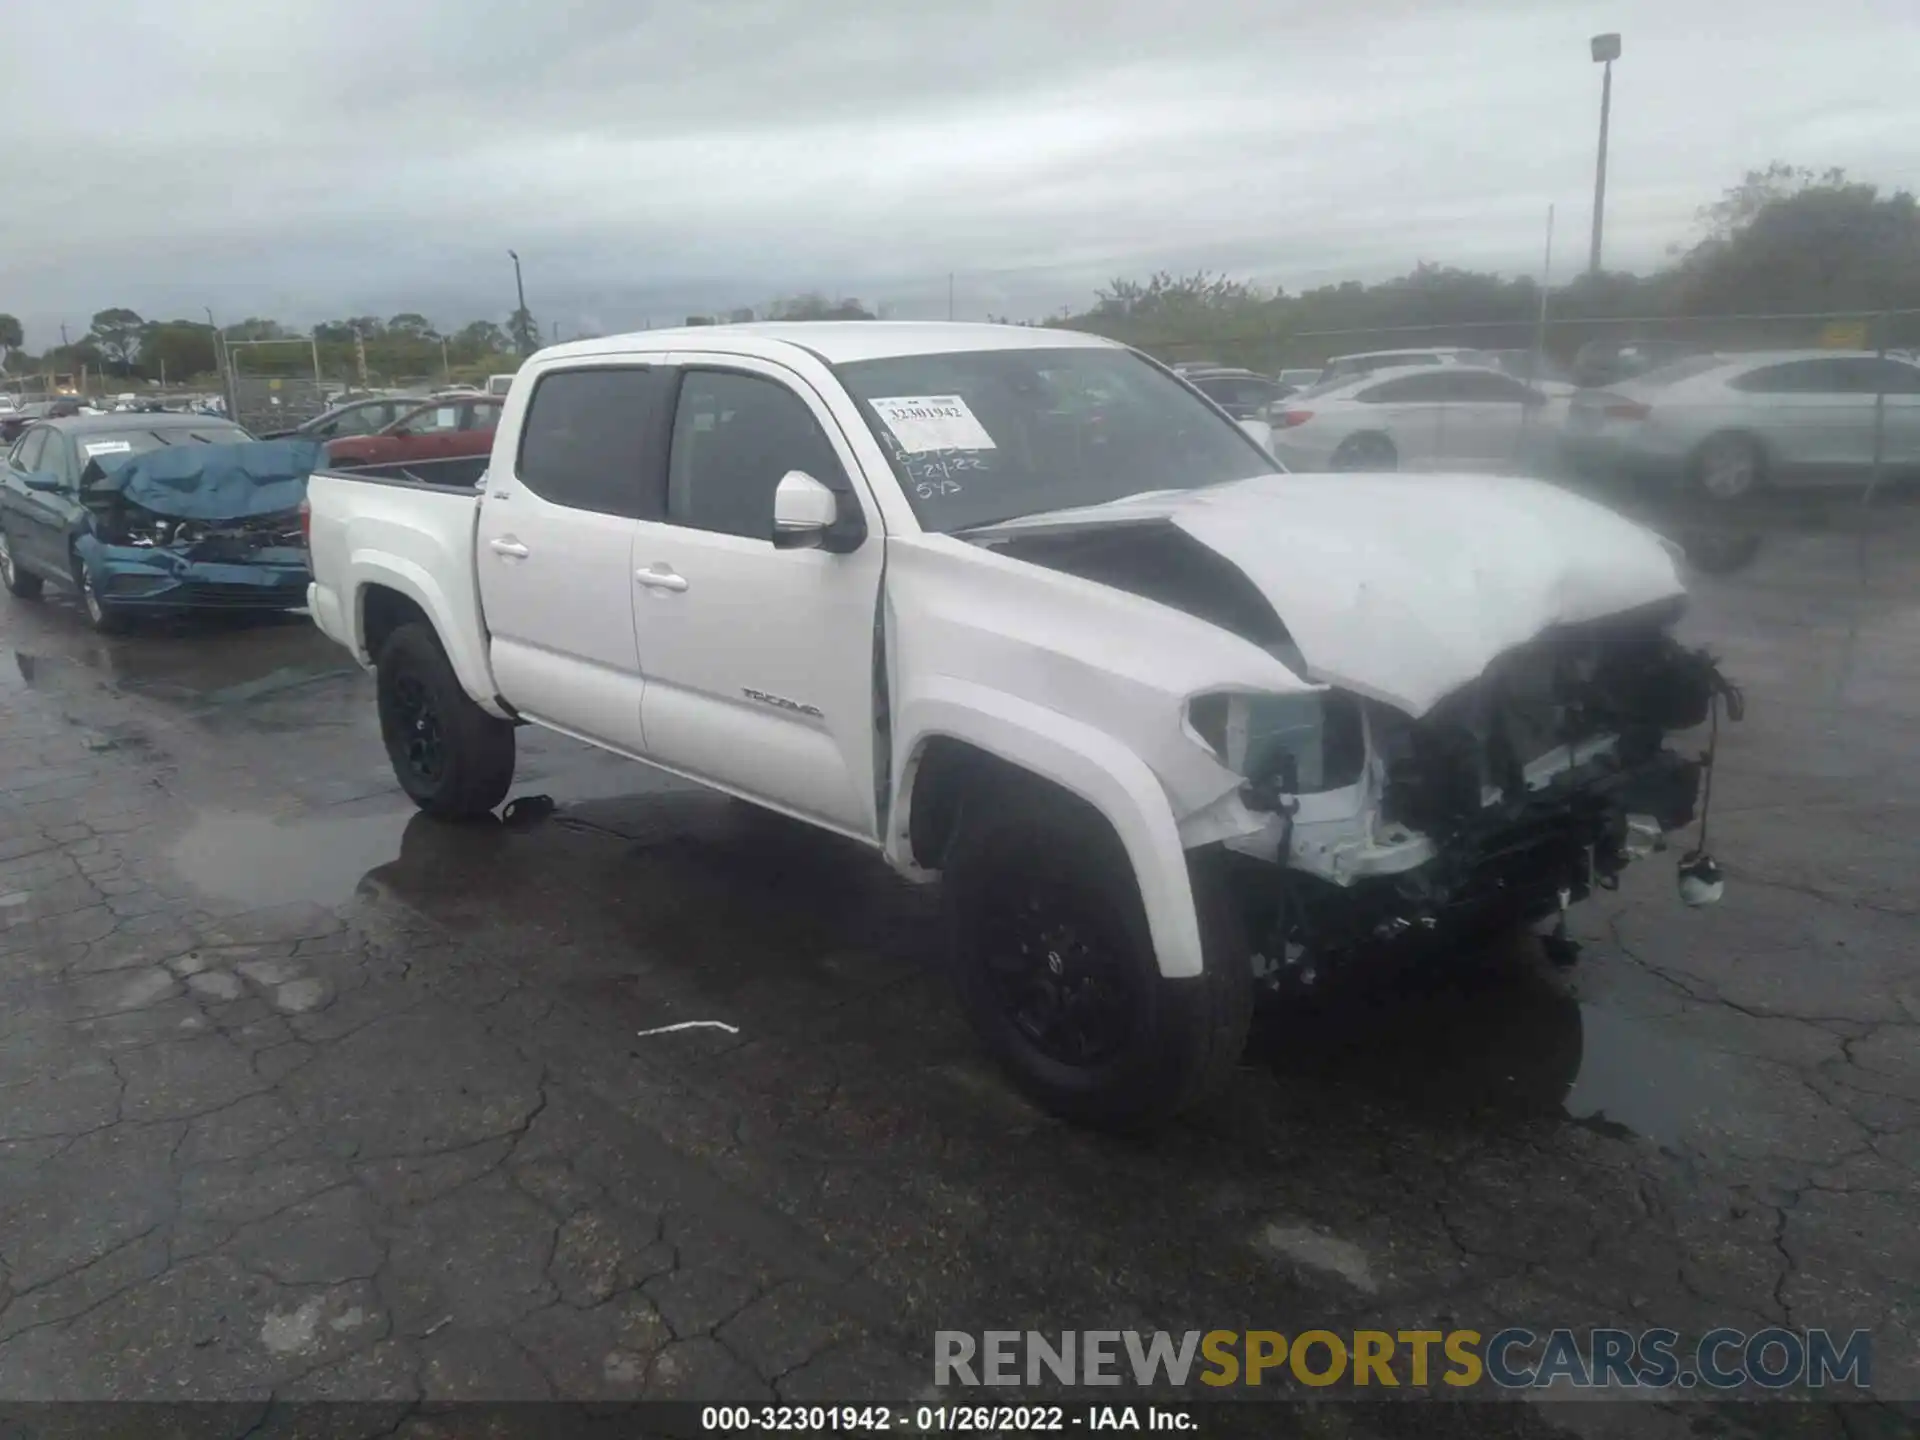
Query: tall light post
(520,290)
(1605,50)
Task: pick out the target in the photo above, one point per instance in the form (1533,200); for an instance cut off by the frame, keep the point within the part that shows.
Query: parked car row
(1723,425)
(381,429)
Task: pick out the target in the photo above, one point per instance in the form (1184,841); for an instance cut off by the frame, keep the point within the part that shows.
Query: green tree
(481,337)
(412,327)
(117,332)
(256,328)
(815,306)
(177,349)
(1793,239)
(524,330)
(12,338)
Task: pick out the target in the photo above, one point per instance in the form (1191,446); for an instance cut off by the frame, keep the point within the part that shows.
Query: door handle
(509,547)
(660,577)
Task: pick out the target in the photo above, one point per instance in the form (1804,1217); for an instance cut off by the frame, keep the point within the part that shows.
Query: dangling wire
(1723,691)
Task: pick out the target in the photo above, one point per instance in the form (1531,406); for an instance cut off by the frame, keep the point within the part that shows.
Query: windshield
(138,442)
(984,435)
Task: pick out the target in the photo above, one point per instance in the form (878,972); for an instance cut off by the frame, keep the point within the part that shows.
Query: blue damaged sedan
(154,512)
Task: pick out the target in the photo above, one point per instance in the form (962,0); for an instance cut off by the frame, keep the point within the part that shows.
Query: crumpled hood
(207,482)
(1406,587)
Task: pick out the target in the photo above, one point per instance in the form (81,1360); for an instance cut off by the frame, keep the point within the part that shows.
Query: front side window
(431,420)
(584,441)
(734,436)
(1408,390)
(26,454)
(984,435)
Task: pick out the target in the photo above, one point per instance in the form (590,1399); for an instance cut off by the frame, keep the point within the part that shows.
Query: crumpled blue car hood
(208,482)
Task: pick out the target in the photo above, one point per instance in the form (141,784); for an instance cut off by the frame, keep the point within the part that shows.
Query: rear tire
(1055,967)
(1729,468)
(18,582)
(1369,450)
(453,758)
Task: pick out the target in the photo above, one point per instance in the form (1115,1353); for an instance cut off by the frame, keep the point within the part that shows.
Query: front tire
(18,582)
(452,758)
(1369,450)
(103,616)
(1055,967)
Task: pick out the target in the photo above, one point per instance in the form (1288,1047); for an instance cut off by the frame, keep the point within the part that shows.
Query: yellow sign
(1843,335)
(273,385)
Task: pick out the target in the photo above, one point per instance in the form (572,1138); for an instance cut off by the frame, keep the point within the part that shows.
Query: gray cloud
(648,160)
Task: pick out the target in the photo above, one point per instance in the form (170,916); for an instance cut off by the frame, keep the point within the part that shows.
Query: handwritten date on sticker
(932,422)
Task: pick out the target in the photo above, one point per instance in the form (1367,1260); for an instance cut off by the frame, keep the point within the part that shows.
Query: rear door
(555,549)
(759,661)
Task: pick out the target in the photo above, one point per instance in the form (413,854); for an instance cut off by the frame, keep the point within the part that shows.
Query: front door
(1486,414)
(759,661)
(48,513)
(555,552)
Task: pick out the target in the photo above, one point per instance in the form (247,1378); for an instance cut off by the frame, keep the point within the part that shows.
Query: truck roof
(836,341)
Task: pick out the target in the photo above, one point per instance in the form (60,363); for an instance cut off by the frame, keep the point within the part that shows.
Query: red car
(449,428)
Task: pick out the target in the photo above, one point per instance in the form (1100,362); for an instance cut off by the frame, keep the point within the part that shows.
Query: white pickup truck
(1021,609)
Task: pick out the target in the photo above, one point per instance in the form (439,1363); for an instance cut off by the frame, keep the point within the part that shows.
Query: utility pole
(1605,49)
(949,295)
(65,344)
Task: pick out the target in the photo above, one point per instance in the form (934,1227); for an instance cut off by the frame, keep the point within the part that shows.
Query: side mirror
(804,511)
(42,480)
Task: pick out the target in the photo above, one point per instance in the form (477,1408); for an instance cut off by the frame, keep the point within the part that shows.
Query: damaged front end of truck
(1479,726)
(1513,798)
(196,526)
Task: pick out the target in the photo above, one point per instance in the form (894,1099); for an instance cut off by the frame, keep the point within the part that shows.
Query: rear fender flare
(465,645)
(1080,759)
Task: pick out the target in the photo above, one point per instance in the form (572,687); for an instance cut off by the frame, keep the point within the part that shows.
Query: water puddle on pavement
(258,860)
(1511,1041)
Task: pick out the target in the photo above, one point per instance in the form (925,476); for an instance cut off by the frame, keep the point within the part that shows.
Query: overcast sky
(309,161)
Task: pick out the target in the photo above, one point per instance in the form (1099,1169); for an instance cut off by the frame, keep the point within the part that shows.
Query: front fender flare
(1089,763)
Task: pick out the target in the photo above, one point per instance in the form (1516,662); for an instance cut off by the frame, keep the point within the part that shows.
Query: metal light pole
(520,290)
(1605,50)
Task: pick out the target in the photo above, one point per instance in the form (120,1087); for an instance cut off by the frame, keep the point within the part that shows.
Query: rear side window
(1802,377)
(584,443)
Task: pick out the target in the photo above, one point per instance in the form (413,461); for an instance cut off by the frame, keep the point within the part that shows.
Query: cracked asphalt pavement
(303,1095)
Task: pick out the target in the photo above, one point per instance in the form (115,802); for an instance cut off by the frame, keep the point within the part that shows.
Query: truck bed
(385,538)
(461,472)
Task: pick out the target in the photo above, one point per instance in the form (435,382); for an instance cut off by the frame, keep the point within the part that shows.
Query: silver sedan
(1729,424)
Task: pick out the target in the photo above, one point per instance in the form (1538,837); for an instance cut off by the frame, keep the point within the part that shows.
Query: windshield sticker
(922,423)
(106,447)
